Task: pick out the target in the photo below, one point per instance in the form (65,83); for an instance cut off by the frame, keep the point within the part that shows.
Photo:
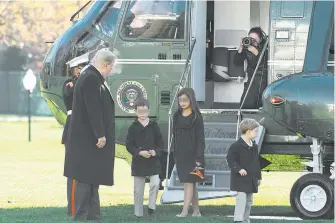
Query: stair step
(216,164)
(177,196)
(216,174)
(227,111)
(228,115)
(217,147)
(220,130)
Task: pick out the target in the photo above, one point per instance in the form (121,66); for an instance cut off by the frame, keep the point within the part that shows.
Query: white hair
(103,56)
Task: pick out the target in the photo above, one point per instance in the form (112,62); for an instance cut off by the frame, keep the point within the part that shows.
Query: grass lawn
(33,189)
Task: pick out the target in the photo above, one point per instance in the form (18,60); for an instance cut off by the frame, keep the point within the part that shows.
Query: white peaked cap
(78,60)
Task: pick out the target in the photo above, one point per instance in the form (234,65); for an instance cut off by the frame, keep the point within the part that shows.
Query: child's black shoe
(151,211)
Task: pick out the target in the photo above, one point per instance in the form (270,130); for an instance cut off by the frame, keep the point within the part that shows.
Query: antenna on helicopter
(77,12)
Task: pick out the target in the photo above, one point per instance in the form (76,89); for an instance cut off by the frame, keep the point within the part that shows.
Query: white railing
(252,79)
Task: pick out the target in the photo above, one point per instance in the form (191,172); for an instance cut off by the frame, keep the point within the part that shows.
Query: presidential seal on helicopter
(128,93)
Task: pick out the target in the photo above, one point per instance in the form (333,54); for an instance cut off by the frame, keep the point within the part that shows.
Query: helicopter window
(108,22)
(87,43)
(155,19)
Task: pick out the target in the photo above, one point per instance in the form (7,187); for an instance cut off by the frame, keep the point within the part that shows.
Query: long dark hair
(262,35)
(189,92)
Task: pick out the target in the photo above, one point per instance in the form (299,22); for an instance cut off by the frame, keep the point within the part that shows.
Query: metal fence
(14,98)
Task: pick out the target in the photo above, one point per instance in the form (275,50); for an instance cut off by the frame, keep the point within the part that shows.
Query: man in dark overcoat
(91,153)
(75,65)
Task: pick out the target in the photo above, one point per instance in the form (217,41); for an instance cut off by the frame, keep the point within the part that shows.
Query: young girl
(189,147)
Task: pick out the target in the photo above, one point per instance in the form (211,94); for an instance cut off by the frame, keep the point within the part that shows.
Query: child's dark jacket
(242,156)
(144,138)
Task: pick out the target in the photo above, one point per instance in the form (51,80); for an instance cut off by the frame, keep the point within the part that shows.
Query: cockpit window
(331,49)
(108,21)
(155,19)
(88,43)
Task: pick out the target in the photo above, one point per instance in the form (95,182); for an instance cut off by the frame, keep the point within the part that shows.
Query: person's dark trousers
(87,203)
(254,96)
(163,160)
(71,185)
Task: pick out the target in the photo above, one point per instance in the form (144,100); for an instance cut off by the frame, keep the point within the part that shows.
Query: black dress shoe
(151,211)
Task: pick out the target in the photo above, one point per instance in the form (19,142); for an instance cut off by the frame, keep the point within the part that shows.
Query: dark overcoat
(254,96)
(188,143)
(242,156)
(93,116)
(146,138)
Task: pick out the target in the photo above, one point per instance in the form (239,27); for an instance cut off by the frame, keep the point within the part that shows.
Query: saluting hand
(101,142)
(70,84)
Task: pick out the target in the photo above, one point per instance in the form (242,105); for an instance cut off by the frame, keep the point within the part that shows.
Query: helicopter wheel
(312,197)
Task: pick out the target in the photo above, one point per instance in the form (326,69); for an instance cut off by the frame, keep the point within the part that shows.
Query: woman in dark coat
(189,147)
(252,54)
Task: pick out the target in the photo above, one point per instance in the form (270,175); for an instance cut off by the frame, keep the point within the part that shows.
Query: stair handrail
(184,76)
(252,79)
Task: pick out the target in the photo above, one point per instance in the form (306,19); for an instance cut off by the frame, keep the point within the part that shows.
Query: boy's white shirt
(250,142)
(106,85)
(145,122)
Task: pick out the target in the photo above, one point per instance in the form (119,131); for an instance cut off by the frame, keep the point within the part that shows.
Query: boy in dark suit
(145,143)
(243,160)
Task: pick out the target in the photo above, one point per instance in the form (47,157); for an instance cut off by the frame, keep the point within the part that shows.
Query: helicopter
(163,46)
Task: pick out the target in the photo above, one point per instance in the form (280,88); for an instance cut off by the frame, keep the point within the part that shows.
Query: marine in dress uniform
(75,65)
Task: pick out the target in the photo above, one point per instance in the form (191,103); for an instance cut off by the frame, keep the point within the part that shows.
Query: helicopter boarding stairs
(220,133)
(221,130)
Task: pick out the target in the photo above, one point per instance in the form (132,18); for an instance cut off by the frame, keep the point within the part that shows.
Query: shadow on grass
(124,213)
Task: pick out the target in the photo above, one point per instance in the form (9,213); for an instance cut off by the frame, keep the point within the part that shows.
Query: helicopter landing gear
(312,195)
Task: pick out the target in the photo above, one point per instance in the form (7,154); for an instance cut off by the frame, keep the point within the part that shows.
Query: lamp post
(29,83)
